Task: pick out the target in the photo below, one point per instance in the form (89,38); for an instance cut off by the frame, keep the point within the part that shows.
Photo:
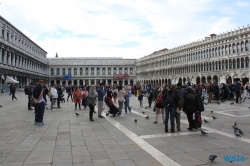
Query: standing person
(91,101)
(115,92)
(85,95)
(120,96)
(190,106)
(13,91)
(180,94)
(10,88)
(77,97)
(101,94)
(28,91)
(59,92)
(216,92)
(237,91)
(155,93)
(109,93)
(159,107)
(127,96)
(39,103)
(171,101)
(69,90)
(140,99)
(150,98)
(231,91)
(200,105)
(54,96)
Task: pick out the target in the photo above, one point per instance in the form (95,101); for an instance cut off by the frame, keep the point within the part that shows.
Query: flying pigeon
(135,120)
(206,121)
(107,114)
(203,132)
(143,112)
(77,114)
(147,117)
(240,131)
(212,157)
(214,117)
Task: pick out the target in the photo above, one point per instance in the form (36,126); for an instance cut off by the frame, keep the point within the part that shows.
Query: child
(140,98)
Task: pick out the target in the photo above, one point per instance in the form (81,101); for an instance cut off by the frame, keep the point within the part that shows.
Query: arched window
(81,71)
(92,71)
(63,71)
(210,66)
(216,52)
(247,62)
(216,65)
(87,71)
(210,53)
(219,51)
(52,71)
(230,64)
(120,70)
(219,65)
(109,70)
(230,49)
(98,71)
(246,46)
(69,70)
(103,71)
(242,46)
(226,64)
(222,50)
(234,63)
(238,63)
(226,50)
(57,71)
(115,71)
(234,48)
(205,54)
(222,65)
(126,71)
(75,71)
(242,62)
(131,70)
(238,47)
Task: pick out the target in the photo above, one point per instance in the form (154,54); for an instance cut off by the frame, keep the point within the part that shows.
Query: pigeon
(214,117)
(147,117)
(236,133)
(234,128)
(203,132)
(212,112)
(235,125)
(232,103)
(135,120)
(146,107)
(212,157)
(143,112)
(107,114)
(206,121)
(244,99)
(77,114)
(240,131)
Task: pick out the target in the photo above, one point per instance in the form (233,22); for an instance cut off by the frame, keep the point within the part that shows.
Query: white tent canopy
(11,80)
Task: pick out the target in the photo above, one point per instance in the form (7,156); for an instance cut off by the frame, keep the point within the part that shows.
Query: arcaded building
(218,58)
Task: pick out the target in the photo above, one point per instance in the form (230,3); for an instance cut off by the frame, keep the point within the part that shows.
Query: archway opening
(215,78)
(209,78)
(180,80)
(184,80)
(244,79)
(203,79)
(57,82)
(198,80)
(229,79)
(75,82)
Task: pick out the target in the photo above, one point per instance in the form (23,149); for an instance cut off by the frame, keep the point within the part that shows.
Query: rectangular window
(2,33)
(7,36)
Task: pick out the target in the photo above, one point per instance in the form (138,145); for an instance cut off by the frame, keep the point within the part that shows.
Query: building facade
(218,58)
(92,71)
(20,57)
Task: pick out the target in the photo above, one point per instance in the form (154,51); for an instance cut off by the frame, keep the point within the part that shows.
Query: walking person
(216,92)
(101,94)
(69,90)
(155,93)
(140,99)
(13,91)
(180,94)
(171,101)
(127,100)
(237,91)
(59,92)
(120,97)
(77,97)
(54,96)
(91,101)
(39,103)
(28,92)
(150,98)
(85,95)
(159,107)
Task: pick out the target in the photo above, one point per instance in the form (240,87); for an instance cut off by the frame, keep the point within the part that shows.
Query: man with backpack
(28,91)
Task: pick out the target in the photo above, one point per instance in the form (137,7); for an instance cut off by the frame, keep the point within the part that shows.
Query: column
(1,56)
(14,60)
(106,81)
(5,57)
(123,82)
(78,82)
(67,82)
(95,82)
(89,82)
(60,82)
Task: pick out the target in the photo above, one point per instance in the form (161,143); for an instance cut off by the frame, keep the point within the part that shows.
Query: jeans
(29,97)
(127,106)
(100,107)
(171,111)
(149,102)
(69,94)
(120,106)
(141,103)
(39,109)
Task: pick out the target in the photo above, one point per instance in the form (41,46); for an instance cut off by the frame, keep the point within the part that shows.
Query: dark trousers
(91,110)
(216,94)
(237,96)
(169,111)
(13,95)
(190,116)
(58,102)
(29,97)
(69,94)
(149,102)
(78,104)
(39,109)
(84,103)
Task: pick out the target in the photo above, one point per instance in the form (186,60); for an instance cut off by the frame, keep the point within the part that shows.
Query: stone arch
(198,80)
(209,78)
(244,78)
(215,79)
(203,79)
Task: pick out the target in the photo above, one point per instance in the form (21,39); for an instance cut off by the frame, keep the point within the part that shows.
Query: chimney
(56,55)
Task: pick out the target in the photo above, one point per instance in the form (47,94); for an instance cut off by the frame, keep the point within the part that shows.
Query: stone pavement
(69,140)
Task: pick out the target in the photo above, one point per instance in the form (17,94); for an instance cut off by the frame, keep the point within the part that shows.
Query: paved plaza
(68,140)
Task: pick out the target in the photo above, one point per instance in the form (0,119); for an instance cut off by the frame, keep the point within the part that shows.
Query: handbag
(197,120)
(32,102)
(89,101)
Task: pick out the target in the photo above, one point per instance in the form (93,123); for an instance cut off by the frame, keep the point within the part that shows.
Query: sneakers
(36,123)
(41,124)
(92,120)
(155,122)
(101,116)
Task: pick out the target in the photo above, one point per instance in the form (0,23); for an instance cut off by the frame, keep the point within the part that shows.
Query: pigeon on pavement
(214,117)
(147,117)
(135,120)
(212,157)
(203,132)
(77,114)
(143,112)
(206,121)
(240,131)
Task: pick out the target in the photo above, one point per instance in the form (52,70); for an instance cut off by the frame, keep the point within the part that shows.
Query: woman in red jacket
(77,97)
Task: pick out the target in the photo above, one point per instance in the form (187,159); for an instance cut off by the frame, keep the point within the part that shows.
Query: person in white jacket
(54,96)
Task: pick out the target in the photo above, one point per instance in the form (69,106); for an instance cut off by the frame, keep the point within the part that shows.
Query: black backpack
(169,100)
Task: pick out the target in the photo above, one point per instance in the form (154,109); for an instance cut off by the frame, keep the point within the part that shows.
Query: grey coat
(181,97)
(91,98)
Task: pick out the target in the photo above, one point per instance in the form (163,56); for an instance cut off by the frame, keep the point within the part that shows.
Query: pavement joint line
(159,156)
(212,130)
(168,135)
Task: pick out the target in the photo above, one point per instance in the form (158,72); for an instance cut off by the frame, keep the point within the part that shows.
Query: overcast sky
(121,28)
